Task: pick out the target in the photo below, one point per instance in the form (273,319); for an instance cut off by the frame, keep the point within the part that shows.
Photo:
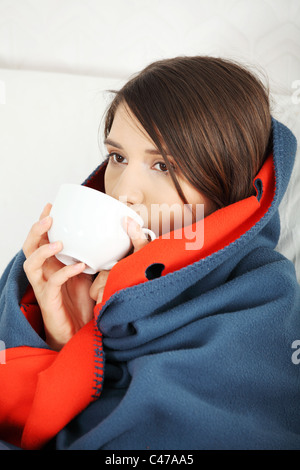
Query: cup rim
(113,200)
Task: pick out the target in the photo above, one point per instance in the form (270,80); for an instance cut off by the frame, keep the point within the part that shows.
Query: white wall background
(117,37)
(57,58)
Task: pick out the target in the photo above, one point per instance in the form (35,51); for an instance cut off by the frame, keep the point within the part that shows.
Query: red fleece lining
(63,390)
(18,383)
(32,312)
(42,390)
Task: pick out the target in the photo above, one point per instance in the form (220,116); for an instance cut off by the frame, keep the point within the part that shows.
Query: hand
(138,239)
(62,292)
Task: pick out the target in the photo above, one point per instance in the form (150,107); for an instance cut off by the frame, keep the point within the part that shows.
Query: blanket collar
(175,250)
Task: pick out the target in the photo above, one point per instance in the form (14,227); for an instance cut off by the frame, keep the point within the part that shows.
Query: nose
(131,197)
(129,188)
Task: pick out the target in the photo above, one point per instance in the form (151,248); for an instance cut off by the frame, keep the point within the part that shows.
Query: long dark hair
(211,114)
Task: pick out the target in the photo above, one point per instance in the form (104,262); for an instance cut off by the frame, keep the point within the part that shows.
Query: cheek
(195,198)
(108,182)
(164,218)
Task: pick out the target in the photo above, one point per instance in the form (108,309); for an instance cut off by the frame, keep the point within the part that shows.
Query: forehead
(126,126)
(128,129)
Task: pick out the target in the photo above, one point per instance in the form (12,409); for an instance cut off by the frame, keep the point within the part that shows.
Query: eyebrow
(117,145)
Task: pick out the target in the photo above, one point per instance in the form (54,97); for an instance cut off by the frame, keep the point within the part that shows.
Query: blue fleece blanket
(201,358)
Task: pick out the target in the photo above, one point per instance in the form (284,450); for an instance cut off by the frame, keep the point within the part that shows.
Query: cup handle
(149,232)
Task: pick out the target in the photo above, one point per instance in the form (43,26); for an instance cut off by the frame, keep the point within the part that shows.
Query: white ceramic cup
(90,224)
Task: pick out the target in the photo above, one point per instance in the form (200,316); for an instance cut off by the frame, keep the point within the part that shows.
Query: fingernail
(45,220)
(135,230)
(131,225)
(78,266)
(126,222)
(55,246)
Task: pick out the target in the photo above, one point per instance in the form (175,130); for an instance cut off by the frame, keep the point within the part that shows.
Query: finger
(97,288)
(135,232)
(46,211)
(45,220)
(33,266)
(37,235)
(62,276)
(52,290)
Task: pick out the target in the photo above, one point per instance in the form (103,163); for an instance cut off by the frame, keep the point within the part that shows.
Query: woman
(181,345)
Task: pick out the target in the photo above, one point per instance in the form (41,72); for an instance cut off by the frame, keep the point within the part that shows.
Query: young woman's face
(137,175)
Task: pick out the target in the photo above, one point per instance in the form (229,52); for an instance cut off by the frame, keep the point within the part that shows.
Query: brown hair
(212,115)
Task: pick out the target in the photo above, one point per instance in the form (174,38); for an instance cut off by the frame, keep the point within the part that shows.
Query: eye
(162,167)
(116,158)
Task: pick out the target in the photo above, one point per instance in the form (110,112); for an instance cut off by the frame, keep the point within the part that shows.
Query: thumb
(136,234)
